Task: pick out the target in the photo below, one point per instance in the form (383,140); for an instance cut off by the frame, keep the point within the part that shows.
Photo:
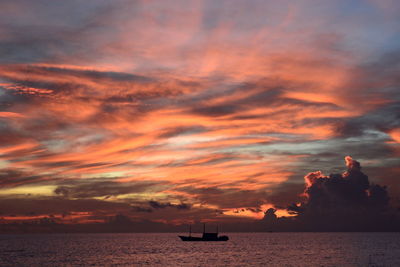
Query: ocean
(166,249)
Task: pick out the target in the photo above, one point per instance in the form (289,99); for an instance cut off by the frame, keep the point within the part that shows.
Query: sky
(184,111)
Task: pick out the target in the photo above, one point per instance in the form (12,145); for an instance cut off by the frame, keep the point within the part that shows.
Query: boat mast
(190,230)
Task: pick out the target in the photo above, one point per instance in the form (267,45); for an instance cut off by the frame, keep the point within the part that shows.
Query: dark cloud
(171,132)
(158,205)
(344,202)
(95,75)
(14,177)
(381,119)
(227,198)
(262,93)
(27,206)
(47,31)
(33,46)
(388,175)
(90,188)
(216,111)
(285,193)
(378,72)
(36,76)
(141,209)
(86,85)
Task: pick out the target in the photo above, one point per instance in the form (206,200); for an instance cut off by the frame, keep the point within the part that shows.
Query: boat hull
(193,238)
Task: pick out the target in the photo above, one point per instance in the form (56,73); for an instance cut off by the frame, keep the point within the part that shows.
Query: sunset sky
(179,111)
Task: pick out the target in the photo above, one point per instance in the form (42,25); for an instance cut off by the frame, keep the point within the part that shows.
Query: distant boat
(205,237)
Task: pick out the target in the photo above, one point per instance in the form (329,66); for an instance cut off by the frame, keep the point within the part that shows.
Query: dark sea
(253,249)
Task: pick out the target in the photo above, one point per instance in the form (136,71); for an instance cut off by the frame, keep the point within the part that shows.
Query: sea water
(166,249)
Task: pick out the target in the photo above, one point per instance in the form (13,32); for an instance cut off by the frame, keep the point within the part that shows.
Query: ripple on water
(255,249)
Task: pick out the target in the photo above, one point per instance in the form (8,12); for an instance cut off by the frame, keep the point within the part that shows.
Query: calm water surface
(255,249)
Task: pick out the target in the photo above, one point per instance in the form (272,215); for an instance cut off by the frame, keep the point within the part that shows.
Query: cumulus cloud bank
(344,202)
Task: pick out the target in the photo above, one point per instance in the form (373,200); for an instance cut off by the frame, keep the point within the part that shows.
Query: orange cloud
(395,135)
(210,95)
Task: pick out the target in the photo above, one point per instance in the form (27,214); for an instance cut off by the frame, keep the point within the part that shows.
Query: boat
(204,237)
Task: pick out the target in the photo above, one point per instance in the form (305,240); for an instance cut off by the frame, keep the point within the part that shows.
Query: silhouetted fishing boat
(205,237)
